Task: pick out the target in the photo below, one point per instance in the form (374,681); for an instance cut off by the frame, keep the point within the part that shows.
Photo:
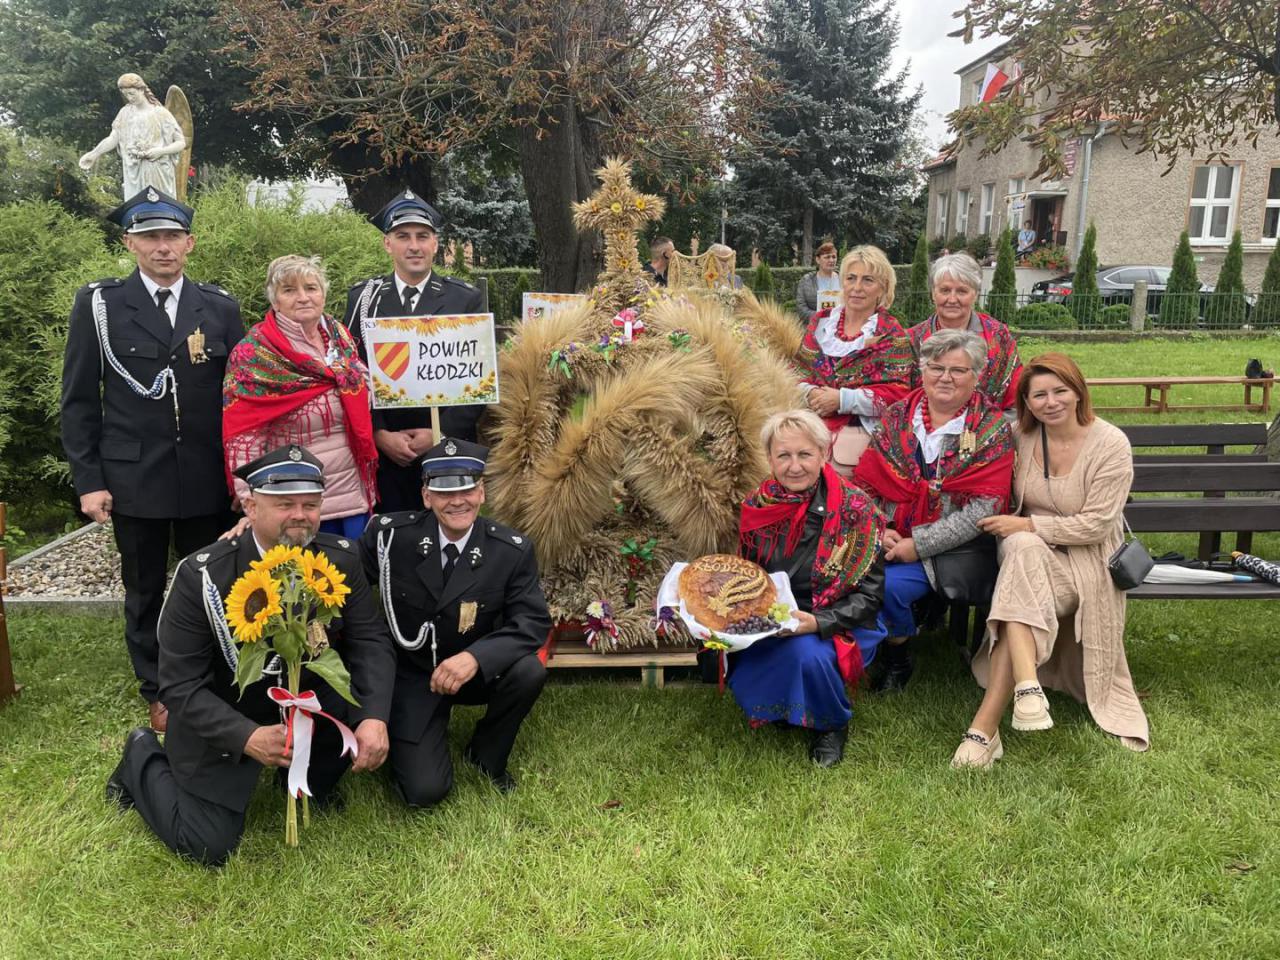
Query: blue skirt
(350,527)
(795,680)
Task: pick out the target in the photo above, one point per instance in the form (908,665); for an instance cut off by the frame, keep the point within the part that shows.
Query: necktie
(410,295)
(162,301)
(451,560)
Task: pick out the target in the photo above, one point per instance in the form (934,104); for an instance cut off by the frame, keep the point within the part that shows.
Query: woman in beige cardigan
(1056,618)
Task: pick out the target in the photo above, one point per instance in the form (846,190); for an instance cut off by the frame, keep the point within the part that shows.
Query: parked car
(1115,285)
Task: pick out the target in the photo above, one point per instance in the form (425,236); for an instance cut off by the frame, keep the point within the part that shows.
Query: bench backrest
(1195,476)
(1213,437)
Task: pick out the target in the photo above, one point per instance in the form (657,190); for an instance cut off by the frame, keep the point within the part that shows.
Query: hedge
(1044,316)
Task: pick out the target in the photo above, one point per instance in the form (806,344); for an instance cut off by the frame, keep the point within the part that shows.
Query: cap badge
(152,195)
(295,454)
(451,448)
(408,194)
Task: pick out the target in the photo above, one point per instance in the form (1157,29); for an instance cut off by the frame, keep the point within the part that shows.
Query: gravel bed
(85,567)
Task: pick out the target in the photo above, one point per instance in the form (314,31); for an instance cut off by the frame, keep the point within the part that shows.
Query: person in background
(142,412)
(411,237)
(819,290)
(297,378)
(955,280)
(809,522)
(857,356)
(659,259)
(1057,619)
(1026,240)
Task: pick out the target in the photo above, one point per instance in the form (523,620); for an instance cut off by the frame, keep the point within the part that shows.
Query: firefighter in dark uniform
(410,228)
(466,611)
(193,791)
(142,411)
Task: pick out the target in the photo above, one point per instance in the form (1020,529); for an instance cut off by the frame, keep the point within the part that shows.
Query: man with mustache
(193,791)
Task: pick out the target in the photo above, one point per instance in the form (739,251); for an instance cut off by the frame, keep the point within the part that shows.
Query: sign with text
(432,361)
(538,305)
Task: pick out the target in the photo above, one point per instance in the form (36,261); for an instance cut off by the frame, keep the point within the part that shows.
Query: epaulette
(456,282)
(103,284)
(214,288)
(504,534)
(389,521)
(216,550)
(331,542)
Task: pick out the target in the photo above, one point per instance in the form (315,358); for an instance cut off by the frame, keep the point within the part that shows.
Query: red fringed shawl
(999,381)
(848,544)
(884,367)
(271,389)
(889,470)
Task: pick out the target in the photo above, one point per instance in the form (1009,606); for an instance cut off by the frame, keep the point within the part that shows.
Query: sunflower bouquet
(281,606)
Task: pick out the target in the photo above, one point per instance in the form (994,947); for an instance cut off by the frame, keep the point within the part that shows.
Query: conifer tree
(1085,301)
(1226,304)
(916,303)
(1267,312)
(1002,299)
(1178,306)
(762,282)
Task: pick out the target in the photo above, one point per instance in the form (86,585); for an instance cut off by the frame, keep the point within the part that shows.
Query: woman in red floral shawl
(297,378)
(942,461)
(955,280)
(856,359)
(809,522)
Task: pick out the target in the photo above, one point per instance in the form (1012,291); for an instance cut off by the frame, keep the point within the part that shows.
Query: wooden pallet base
(567,649)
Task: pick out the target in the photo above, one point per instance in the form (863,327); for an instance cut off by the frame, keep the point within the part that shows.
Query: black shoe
(828,747)
(116,792)
(504,781)
(897,666)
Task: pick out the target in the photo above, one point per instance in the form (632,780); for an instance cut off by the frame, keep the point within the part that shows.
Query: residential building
(1138,204)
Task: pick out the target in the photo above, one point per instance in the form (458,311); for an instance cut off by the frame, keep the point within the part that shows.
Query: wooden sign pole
(8,689)
(435,426)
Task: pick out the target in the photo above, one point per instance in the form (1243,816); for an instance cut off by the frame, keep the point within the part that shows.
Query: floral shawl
(848,544)
(883,366)
(980,467)
(270,390)
(999,381)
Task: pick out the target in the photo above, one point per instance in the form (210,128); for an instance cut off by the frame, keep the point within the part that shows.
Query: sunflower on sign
(281,605)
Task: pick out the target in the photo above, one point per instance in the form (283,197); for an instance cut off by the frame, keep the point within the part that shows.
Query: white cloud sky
(934,57)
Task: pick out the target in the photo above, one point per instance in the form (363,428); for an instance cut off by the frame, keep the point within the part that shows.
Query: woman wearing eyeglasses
(940,463)
(955,280)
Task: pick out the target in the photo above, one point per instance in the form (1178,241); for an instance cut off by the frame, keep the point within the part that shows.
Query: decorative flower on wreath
(253,601)
(600,621)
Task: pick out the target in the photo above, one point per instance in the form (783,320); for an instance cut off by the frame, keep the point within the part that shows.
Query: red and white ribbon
(630,322)
(302,708)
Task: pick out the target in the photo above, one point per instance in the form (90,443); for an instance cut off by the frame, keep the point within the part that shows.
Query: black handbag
(967,573)
(1131,562)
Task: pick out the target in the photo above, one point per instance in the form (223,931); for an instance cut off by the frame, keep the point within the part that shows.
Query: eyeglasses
(955,373)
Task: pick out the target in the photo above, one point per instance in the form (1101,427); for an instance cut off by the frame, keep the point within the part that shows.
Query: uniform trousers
(144,544)
(199,828)
(424,770)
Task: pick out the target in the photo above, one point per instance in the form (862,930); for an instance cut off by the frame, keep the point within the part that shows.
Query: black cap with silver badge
(453,465)
(285,470)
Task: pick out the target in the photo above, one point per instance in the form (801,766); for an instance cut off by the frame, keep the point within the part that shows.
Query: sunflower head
(254,600)
(323,579)
(276,557)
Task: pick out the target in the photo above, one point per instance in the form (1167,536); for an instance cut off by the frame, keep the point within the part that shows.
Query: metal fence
(1161,311)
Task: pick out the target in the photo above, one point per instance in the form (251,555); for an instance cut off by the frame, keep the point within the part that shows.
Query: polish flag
(992,83)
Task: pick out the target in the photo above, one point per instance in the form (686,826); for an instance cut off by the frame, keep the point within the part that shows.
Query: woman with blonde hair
(857,356)
(296,377)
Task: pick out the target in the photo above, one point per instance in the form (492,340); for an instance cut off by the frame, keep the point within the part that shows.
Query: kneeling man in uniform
(192,791)
(462,599)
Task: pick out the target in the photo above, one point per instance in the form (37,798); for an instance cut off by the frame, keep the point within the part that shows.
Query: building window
(1017,186)
(977,90)
(1271,216)
(1213,203)
(941,230)
(988,207)
(962,211)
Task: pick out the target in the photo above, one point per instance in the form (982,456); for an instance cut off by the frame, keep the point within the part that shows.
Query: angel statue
(151,141)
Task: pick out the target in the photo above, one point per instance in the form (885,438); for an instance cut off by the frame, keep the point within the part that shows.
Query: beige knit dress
(1055,580)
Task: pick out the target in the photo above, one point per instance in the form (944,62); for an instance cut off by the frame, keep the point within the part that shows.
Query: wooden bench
(566,647)
(1156,389)
(1213,437)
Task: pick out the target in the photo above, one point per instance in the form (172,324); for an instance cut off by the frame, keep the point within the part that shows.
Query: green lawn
(654,824)
(726,843)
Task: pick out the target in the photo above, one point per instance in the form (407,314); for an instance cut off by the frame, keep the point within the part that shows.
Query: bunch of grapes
(756,624)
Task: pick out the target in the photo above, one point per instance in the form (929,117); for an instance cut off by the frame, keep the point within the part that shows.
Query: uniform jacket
(153,464)
(441,296)
(497,573)
(209,722)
